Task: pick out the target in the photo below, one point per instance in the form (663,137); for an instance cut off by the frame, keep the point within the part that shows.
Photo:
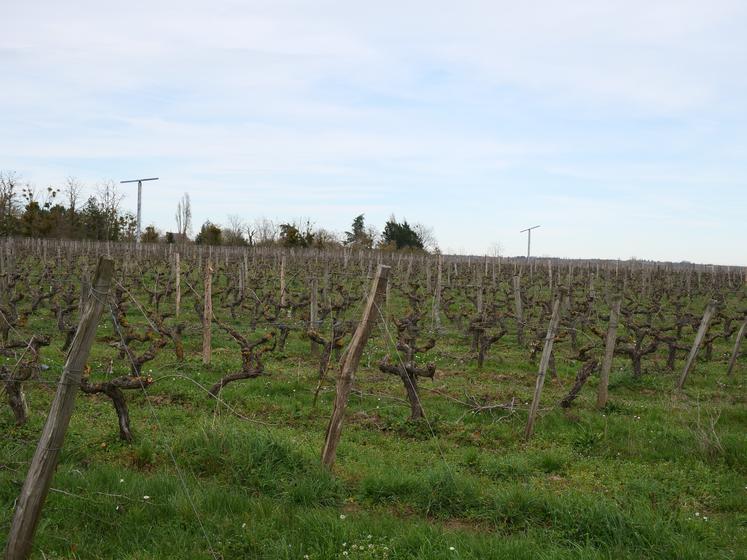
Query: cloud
(452,113)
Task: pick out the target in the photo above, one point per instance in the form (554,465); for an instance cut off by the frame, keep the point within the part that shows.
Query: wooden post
(735,352)
(544,362)
(44,462)
(437,295)
(207,315)
(325,284)
(609,352)
(177,284)
(702,330)
(313,312)
(479,299)
(282,281)
(518,311)
(350,364)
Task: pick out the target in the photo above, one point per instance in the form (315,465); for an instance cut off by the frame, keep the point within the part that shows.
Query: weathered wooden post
(44,462)
(177,284)
(282,281)
(479,300)
(609,352)
(350,364)
(710,310)
(544,362)
(207,315)
(735,352)
(437,295)
(313,312)
(518,311)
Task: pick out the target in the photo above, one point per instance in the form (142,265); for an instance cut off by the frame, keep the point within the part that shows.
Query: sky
(620,127)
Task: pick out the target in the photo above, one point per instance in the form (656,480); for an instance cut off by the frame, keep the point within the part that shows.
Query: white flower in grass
(342,516)
(452,548)
(146,497)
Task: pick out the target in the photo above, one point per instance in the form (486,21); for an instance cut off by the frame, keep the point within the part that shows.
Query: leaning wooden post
(207,316)
(177,284)
(350,364)
(702,330)
(44,462)
(544,362)
(735,352)
(518,311)
(609,352)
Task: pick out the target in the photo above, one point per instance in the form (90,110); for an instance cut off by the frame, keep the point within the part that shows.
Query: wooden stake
(609,352)
(702,330)
(544,362)
(437,295)
(44,462)
(282,281)
(207,315)
(350,364)
(313,313)
(177,284)
(518,311)
(735,352)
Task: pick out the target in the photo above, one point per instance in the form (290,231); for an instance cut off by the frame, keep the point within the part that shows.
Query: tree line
(64,213)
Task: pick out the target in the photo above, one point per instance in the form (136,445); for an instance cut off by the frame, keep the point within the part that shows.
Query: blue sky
(621,127)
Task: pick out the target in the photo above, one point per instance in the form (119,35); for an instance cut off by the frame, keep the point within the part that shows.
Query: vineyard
(268,403)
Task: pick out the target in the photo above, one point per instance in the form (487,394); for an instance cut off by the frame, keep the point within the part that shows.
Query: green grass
(646,478)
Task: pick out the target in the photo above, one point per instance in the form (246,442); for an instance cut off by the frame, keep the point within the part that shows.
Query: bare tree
(496,249)
(184,217)
(73,190)
(325,238)
(266,231)
(109,200)
(427,237)
(233,234)
(9,182)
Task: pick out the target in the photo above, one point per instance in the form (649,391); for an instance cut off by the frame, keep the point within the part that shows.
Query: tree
(400,235)
(150,235)
(109,201)
(264,231)
(297,235)
(9,209)
(37,219)
(73,190)
(234,233)
(359,236)
(184,218)
(210,234)
(427,237)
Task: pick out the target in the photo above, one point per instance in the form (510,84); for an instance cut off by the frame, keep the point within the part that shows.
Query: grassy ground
(656,475)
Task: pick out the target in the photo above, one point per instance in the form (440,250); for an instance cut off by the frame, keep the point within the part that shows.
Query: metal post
(529,233)
(139,182)
(140,206)
(529,240)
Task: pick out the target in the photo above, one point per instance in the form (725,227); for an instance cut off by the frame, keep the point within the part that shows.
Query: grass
(654,475)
